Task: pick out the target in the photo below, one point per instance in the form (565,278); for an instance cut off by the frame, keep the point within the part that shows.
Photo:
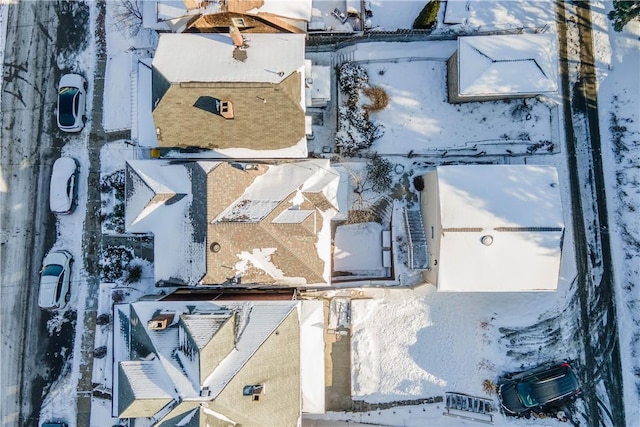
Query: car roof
(60,257)
(63,168)
(71,80)
(48,288)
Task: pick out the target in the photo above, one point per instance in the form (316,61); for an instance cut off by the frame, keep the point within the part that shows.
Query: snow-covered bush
(113,261)
(356,132)
(352,78)
(355,129)
(112,209)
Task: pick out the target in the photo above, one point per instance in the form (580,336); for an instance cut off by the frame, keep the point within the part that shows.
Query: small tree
(128,16)
(427,19)
(624,12)
(379,173)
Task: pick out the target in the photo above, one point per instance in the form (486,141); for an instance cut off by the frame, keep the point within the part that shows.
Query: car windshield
(52,270)
(524,394)
(65,107)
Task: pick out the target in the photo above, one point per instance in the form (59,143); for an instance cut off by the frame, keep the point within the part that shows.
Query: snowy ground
(413,344)
(420,119)
(618,63)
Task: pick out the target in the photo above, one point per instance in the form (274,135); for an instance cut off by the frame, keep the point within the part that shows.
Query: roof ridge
(275,234)
(250,355)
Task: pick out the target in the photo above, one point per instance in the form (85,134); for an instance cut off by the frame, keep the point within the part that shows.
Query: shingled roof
(266,226)
(160,381)
(262,81)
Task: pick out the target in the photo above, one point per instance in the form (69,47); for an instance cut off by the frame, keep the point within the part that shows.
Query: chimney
(226,109)
(234,32)
(215,106)
(160,321)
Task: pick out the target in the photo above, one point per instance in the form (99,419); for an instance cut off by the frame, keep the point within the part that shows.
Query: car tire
(85,85)
(84,119)
(67,297)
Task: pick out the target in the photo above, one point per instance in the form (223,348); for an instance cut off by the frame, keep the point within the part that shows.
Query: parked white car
(72,99)
(63,189)
(55,280)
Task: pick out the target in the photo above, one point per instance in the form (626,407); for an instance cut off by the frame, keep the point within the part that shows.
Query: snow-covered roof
(203,326)
(257,322)
(261,322)
(519,208)
(268,191)
(298,9)
(159,200)
(271,58)
(280,200)
(162,14)
(507,64)
(269,226)
(263,90)
(143,388)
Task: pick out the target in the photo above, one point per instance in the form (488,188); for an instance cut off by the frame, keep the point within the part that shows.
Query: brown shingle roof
(266,116)
(296,254)
(260,23)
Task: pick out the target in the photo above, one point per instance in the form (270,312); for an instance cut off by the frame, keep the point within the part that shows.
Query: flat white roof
(270,58)
(507,64)
(519,207)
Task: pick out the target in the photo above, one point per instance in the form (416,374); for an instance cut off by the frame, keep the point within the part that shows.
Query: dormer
(206,339)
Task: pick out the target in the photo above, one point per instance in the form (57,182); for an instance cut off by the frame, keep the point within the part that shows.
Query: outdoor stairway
(479,408)
(418,258)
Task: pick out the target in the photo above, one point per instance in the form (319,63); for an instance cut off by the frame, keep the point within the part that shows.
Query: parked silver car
(72,99)
(55,280)
(63,189)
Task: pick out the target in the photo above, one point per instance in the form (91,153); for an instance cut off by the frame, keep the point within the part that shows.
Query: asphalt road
(28,151)
(601,370)
(37,32)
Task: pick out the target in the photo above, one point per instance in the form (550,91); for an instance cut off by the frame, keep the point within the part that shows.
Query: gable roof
(172,15)
(266,91)
(168,369)
(203,326)
(143,388)
(272,223)
(258,23)
(507,64)
(271,58)
(158,193)
(519,207)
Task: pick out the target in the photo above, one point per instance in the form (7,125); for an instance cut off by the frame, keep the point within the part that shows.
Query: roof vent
(254,391)
(215,247)
(238,22)
(486,240)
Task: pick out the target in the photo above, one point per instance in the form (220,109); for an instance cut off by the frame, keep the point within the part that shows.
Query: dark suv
(542,388)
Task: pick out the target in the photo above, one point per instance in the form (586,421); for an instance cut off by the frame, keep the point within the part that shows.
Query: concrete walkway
(337,365)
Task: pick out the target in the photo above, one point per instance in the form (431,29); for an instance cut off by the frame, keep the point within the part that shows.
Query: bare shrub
(489,387)
(378,96)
